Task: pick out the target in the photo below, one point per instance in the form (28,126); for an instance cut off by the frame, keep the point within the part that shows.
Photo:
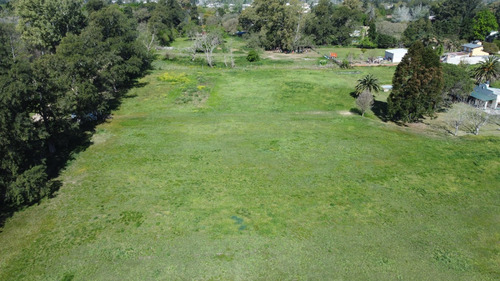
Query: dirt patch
(296,56)
(345,113)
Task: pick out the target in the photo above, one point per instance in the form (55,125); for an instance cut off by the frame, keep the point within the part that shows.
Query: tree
(386,41)
(22,168)
(207,42)
(364,101)
(345,20)
(94,5)
(417,85)
(487,70)
(490,48)
(483,23)
(454,18)
(476,119)
(253,56)
(417,31)
(401,14)
(277,21)
(44,23)
(368,83)
(164,21)
(457,84)
(457,116)
(320,25)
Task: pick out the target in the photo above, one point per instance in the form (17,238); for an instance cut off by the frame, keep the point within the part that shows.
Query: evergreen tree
(417,85)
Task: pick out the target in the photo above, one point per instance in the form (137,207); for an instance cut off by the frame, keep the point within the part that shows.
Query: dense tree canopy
(49,99)
(43,23)
(454,18)
(276,21)
(484,22)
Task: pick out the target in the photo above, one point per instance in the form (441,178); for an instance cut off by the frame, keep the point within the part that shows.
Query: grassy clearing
(257,173)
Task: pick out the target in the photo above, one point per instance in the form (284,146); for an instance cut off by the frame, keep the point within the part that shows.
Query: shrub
(491,48)
(253,56)
(345,64)
(497,42)
(322,62)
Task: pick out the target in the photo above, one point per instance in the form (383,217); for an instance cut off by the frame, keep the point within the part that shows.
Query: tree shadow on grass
(380,110)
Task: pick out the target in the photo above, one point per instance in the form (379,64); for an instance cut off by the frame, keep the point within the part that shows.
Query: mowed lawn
(262,174)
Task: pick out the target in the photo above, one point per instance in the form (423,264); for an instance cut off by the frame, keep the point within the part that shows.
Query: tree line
(64,66)
(283,24)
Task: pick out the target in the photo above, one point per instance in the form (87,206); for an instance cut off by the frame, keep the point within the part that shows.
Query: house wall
(465,59)
(478,52)
(395,57)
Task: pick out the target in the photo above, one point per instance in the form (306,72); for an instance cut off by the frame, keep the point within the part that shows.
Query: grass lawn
(261,172)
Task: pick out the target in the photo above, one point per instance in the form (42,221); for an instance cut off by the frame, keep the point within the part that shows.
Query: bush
(386,41)
(491,48)
(345,64)
(497,42)
(367,43)
(253,56)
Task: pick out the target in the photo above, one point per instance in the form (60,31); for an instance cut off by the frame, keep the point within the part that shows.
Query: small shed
(395,55)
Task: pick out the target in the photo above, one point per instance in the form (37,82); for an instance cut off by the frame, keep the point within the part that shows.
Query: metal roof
(397,51)
(482,92)
(472,46)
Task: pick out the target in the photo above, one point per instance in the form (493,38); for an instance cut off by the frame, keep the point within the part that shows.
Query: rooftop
(472,46)
(485,93)
(397,50)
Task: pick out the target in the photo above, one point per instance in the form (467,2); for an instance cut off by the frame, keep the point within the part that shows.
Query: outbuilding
(395,55)
(483,95)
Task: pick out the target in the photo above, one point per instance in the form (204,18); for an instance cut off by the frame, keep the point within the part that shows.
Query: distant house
(461,57)
(395,55)
(485,96)
(474,49)
(471,53)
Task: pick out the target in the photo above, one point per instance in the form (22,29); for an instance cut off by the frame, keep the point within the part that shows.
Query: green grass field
(262,173)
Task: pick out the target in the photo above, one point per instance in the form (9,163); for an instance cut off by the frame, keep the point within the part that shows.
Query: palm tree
(369,83)
(488,70)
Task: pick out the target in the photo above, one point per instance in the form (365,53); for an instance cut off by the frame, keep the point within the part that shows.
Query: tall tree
(320,25)
(484,22)
(417,85)
(454,17)
(420,30)
(22,167)
(43,23)
(457,84)
(276,21)
(346,18)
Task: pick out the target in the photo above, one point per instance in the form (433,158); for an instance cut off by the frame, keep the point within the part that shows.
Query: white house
(461,57)
(395,55)
(486,96)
